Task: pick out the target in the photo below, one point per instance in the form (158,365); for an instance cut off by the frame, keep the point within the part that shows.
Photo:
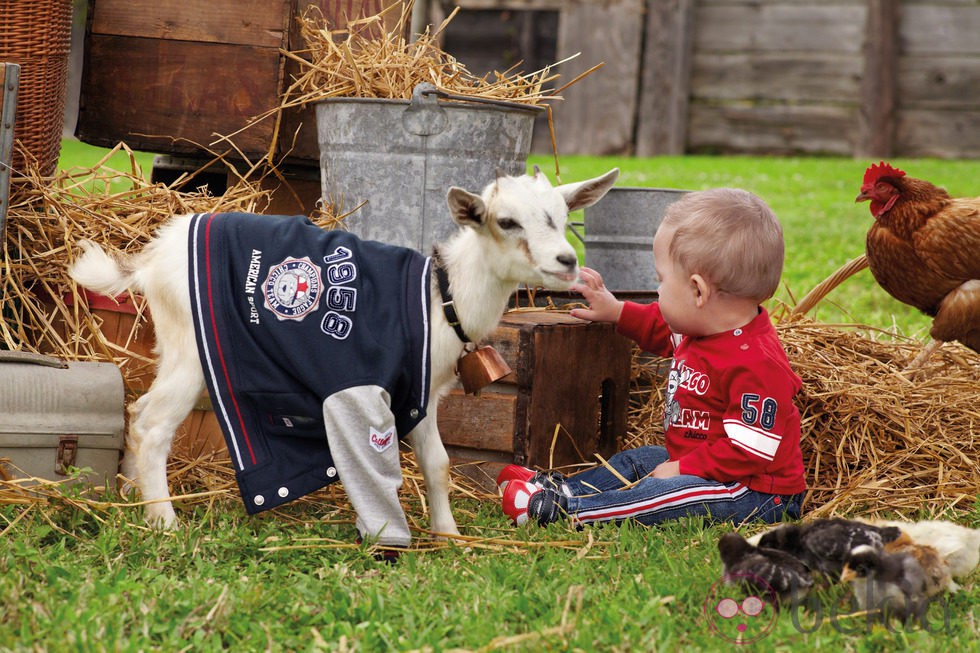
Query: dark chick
(766,570)
(824,544)
(893,584)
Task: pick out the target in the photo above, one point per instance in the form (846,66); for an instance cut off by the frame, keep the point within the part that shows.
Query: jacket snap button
(283,492)
(331,472)
(413,413)
(259,499)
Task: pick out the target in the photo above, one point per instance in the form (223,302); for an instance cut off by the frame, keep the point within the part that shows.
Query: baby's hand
(603,305)
(667,469)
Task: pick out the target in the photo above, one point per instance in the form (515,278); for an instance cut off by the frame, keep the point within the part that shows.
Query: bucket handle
(506,104)
(424,116)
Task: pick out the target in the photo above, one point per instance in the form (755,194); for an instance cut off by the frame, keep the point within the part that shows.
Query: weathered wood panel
(483,423)
(879,88)
(680,75)
(257,23)
(938,27)
(941,134)
(781,77)
(197,90)
(938,94)
(598,113)
(733,128)
(775,77)
(944,83)
(779,26)
(665,78)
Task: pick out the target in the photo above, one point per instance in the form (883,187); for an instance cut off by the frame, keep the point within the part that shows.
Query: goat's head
(522,220)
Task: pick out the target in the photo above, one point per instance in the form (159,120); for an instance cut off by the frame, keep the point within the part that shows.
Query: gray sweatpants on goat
(373,492)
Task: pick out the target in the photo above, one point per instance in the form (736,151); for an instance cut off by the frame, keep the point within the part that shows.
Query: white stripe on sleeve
(756,441)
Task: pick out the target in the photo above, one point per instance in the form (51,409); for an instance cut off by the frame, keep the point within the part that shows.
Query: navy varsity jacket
(286,315)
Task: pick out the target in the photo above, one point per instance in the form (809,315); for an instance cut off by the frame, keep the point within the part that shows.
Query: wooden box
(565,400)
(172,76)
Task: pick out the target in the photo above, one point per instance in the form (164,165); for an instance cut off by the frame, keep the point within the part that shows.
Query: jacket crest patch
(293,288)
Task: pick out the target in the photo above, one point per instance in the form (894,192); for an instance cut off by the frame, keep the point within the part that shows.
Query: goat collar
(448,304)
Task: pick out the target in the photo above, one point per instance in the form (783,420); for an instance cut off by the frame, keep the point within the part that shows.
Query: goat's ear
(586,193)
(466,208)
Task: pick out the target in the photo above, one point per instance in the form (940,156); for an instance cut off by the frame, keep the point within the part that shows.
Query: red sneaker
(526,501)
(514,473)
(517,497)
(544,480)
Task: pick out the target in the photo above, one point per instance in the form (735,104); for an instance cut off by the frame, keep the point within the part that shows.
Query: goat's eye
(508,224)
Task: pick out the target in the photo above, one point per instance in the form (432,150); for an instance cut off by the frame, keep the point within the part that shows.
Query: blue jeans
(598,495)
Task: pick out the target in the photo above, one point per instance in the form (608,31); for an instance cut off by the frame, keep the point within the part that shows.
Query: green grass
(226,581)
(96,579)
(75,154)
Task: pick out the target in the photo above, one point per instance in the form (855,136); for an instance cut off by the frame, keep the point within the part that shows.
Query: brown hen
(924,250)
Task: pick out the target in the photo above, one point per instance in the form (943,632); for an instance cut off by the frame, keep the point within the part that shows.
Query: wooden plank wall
(938,113)
(846,77)
(776,77)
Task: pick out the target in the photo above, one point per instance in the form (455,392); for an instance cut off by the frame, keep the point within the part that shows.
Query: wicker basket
(37,35)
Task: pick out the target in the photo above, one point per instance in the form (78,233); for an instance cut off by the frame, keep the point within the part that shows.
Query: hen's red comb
(878,170)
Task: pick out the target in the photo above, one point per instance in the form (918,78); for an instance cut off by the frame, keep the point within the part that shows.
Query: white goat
(513,233)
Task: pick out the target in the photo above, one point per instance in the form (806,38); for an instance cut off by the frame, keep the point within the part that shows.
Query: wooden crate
(568,375)
(170,76)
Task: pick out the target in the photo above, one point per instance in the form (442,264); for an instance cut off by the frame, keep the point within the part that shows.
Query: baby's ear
(701,288)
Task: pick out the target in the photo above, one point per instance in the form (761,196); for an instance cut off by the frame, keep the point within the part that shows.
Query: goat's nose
(568,260)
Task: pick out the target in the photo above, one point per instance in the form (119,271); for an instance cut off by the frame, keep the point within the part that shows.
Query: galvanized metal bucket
(619,232)
(395,159)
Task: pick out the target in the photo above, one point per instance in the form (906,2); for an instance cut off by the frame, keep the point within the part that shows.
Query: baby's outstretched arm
(603,305)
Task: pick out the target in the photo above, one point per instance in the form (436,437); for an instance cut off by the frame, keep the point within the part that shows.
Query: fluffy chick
(892,583)
(824,544)
(958,545)
(933,565)
(777,570)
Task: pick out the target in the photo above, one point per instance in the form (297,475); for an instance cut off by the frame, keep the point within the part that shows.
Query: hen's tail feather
(98,271)
(822,289)
(958,317)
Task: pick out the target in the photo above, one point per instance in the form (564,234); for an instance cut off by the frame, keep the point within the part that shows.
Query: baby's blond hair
(731,238)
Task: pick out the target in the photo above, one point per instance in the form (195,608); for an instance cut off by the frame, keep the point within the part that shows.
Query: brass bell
(481,367)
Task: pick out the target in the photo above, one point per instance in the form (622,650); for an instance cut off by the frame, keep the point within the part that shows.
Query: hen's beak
(847,574)
(863,197)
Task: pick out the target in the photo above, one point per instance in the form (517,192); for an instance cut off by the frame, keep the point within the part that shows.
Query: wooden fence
(866,78)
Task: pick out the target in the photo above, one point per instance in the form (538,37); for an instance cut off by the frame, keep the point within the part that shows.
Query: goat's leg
(434,461)
(155,418)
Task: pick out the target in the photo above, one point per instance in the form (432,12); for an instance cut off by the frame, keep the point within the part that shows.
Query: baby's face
(678,294)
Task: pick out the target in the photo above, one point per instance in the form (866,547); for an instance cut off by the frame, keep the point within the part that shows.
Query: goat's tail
(100,272)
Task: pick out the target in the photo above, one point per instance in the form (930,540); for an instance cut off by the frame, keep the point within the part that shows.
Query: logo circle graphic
(292,289)
(738,618)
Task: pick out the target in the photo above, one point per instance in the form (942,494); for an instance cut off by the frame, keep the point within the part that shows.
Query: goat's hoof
(161,519)
(445,534)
